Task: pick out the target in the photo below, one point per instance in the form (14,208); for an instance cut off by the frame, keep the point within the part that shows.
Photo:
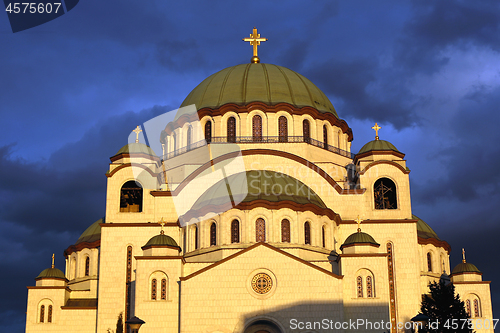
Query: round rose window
(262,283)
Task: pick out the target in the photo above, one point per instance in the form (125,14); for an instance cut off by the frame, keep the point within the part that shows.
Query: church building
(254,216)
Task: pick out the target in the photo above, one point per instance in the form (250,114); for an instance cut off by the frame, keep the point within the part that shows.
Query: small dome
(137,148)
(270,84)
(161,240)
(378,145)
(424,230)
(92,233)
(51,273)
(465,267)
(359,238)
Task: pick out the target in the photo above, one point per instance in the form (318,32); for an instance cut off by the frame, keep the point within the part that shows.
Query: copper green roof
(92,233)
(138,148)
(359,238)
(258,82)
(378,145)
(162,240)
(465,267)
(51,273)
(258,185)
(423,229)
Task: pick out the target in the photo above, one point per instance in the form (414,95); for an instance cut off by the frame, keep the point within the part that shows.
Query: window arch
(195,237)
(306,130)
(158,286)
(477,310)
(42,313)
(73,267)
(163,289)
(49,314)
(131,197)
(384,191)
(323,236)
(325,137)
(189,138)
(208,131)
(359,286)
(307,233)
(467,308)
(174,142)
(285,231)
(87,266)
(235,231)
(231,129)
(429,262)
(369,286)
(153,290)
(365,283)
(260,230)
(283,129)
(257,128)
(338,139)
(213,234)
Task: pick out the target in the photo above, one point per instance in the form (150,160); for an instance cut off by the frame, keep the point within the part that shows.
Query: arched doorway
(263,326)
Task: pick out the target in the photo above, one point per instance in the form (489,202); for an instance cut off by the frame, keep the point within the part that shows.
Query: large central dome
(258,82)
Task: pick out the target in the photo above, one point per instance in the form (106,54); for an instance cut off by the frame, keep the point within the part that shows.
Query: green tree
(119,323)
(446,310)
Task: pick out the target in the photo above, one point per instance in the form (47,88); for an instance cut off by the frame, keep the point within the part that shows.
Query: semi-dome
(465,267)
(161,240)
(136,148)
(424,230)
(256,82)
(92,233)
(51,273)
(359,238)
(378,145)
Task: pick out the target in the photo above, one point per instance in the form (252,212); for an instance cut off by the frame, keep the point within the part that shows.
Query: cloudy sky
(72,90)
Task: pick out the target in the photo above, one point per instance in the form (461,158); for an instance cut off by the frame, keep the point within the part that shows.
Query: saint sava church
(255,217)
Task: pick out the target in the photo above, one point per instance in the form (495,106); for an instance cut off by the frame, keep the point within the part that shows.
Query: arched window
(174,143)
(213,234)
(338,139)
(283,129)
(163,289)
(285,231)
(260,230)
(231,129)
(49,314)
(476,308)
(369,286)
(257,128)
(87,266)
(306,130)
(307,233)
(153,289)
(325,137)
(208,131)
(195,237)
(429,262)
(131,197)
(359,286)
(73,268)
(235,231)
(467,308)
(128,283)
(384,191)
(189,138)
(42,313)
(323,236)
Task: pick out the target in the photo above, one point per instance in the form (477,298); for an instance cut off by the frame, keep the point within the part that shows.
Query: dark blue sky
(72,90)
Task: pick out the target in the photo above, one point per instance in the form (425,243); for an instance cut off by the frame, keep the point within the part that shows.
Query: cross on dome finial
(376,128)
(53,260)
(137,131)
(162,222)
(463,255)
(255,40)
(358,220)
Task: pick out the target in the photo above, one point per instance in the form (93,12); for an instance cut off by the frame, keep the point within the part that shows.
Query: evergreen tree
(446,310)
(119,323)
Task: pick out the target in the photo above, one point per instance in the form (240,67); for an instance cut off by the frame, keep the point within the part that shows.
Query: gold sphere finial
(255,60)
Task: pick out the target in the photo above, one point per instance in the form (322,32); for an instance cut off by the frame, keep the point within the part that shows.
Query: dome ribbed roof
(378,145)
(258,82)
(424,230)
(137,148)
(465,267)
(359,238)
(51,273)
(162,240)
(92,233)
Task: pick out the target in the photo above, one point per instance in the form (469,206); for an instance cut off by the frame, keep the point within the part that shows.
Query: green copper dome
(51,273)
(465,267)
(378,145)
(162,240)
(137,148)
(359,238)
(258,82)
(423,229)
(92,233)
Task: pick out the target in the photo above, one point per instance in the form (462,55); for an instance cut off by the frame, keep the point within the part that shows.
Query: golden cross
(358,220)
(463,255)
(255,40)
(53,260)
(376,128)
(137,131)
(162,222)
